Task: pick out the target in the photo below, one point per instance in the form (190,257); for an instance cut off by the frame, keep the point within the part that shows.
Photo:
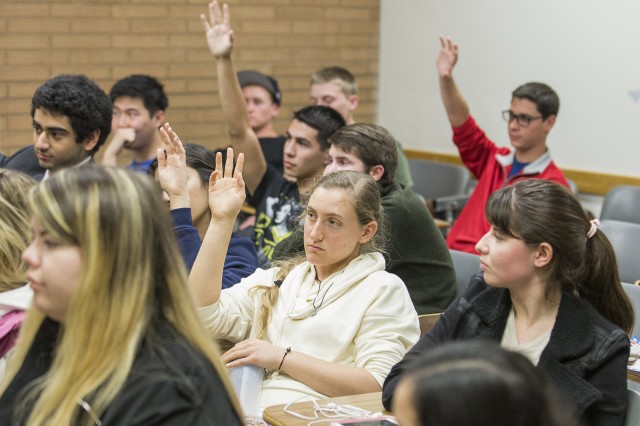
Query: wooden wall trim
(588,182)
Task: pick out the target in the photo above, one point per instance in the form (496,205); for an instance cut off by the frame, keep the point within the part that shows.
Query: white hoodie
(365,318)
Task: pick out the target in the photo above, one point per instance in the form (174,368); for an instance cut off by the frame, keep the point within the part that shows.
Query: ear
(158,118)
(544,254)
(326,160)
(369,232)
(549,122)
(354,101)
(376,172)
(275,110)
(91,141)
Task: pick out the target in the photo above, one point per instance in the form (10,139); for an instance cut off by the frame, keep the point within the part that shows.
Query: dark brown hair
(537,211)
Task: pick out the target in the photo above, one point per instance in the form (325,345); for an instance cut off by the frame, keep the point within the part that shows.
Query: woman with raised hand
(549,289)
(183,171)
(330,323)
(113,336)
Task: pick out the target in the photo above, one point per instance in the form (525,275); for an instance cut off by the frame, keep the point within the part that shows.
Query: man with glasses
(534,107)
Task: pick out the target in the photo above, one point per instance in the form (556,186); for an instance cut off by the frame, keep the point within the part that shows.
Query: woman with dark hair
(476,383)
(184,178)
(549,289)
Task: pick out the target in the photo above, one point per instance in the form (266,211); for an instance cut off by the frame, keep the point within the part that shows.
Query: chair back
(433,179)
(625,239)
(622,203)
(633,292)
(633,408)
(427,321)
(465,264)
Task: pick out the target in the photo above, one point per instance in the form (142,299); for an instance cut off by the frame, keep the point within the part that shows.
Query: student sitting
(184,173)
(549,289)
(113,337)
(330,323)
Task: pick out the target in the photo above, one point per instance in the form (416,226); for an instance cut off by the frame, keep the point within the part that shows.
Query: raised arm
(454,103)
(243,139)
(226,195)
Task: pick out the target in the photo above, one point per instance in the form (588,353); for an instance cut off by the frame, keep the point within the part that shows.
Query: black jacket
(585,359)
(25,161)
(170,383)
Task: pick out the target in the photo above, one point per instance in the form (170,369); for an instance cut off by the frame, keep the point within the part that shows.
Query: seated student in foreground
(184,177)
(530,118)
(330,323)
(113,337)
(475,383)
(417,252)
(550,290)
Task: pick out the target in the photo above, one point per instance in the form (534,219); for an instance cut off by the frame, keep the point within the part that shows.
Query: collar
(535,167)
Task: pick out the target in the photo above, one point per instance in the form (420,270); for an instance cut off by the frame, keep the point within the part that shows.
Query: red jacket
(491,165)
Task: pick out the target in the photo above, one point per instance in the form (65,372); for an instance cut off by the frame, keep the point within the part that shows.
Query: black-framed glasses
(523,119)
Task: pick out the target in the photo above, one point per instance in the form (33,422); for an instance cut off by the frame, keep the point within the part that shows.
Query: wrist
(179,201)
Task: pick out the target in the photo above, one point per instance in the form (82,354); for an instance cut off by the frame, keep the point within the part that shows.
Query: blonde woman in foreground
(113,337)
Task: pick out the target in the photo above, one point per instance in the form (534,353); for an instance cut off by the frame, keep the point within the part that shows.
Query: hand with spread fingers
(172,168)
(226,188)
(254,352)
(447,57)
(218,30)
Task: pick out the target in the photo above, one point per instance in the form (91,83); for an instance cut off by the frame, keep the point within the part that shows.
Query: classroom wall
(110,39)
(587,50)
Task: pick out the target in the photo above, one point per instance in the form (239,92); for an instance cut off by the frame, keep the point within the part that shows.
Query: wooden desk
(276,416)
(633,375)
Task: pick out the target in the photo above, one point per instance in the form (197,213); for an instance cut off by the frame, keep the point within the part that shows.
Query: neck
(202,224)
(350,120)
(532,305)
(148,152)
(531,154)
(304,183)
(266,131)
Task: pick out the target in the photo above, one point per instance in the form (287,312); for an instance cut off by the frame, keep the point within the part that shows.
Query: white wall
(587,50)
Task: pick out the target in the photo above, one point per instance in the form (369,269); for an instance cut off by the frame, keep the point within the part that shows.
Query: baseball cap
(250,77)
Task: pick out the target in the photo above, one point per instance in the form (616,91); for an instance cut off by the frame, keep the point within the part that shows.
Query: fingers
(239,167)
(226,15)
(228,168)
(205,23)
(161,155)
(216,14)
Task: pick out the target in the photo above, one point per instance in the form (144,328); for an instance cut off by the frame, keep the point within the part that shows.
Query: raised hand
(218,30)
(172,167)
(226,188)
(447,57)
(254,352)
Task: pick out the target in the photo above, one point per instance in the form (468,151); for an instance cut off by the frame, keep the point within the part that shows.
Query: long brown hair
(537,211)
(364,192)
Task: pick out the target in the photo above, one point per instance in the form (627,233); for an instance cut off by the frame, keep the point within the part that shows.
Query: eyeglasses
(523,119)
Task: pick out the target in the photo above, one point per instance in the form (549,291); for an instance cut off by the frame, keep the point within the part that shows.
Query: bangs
(500,211)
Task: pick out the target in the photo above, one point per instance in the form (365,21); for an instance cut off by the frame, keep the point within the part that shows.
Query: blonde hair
(15,228)
(132,277)
(367,203)
(339,76)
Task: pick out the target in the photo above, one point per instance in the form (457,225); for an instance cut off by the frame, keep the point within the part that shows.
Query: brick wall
(108,40)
